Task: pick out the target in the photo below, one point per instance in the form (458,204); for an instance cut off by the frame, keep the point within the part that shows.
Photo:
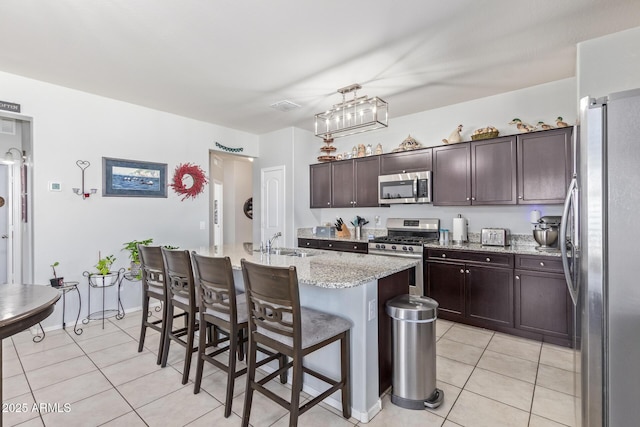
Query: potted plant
(104,275)
(56,281)
(134,255)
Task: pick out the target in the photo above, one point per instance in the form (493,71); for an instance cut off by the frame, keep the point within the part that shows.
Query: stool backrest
(273,300)
(152,267)
(215,286)
(180,282)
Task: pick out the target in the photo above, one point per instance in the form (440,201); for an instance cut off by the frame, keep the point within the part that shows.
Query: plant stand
(99,281)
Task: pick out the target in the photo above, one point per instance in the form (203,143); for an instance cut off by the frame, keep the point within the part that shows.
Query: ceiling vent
(7,126)
(284,106)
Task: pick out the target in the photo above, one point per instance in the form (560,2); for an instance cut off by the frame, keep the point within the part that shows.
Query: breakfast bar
(354,286)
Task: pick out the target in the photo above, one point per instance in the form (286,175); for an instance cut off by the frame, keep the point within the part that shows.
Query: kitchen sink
(288,252)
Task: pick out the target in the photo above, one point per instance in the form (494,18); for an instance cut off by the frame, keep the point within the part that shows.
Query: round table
(22,306)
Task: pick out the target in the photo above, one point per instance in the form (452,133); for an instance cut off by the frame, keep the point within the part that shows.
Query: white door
(4,222)
(273,211)
(217,215)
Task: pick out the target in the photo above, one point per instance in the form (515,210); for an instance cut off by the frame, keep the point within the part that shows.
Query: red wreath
(198,176)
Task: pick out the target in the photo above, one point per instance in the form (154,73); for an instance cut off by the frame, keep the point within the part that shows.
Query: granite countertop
(325,269)
(521,244)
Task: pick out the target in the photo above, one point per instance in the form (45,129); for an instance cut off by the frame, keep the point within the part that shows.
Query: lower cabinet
(470,293)
(542,302)
(335,245)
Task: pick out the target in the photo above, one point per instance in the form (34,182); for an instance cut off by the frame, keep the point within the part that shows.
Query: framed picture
(133,178)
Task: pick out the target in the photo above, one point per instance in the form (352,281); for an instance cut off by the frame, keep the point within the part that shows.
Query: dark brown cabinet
(320,183)
(544,166)
(471,287)
(354,183)
(335,245)
(493,172)
(406,161)
(542,302)
(476,173)
(452,175)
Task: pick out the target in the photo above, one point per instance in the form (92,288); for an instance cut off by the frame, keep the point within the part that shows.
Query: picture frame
(133,178)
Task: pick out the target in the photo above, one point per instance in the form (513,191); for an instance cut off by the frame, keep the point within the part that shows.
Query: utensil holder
(358,232)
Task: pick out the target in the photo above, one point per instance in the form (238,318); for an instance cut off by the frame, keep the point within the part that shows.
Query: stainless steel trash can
(414,352)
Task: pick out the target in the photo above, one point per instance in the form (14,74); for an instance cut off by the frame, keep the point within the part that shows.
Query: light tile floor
(489,379)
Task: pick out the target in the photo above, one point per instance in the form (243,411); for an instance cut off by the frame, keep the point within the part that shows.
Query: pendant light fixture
(356,115)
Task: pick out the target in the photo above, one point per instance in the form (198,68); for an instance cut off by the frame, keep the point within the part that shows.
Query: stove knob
(377,246)
(382,246)
(410,249)
(404,248)
(393,247)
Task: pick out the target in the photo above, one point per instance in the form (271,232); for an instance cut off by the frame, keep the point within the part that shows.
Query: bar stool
(225,310)
(277,321)
(153,286)
(181,293)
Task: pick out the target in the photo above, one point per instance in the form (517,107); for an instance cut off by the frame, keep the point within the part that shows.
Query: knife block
(344,232)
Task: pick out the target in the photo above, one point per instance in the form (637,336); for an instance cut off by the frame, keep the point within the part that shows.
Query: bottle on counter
(446,236)
(441,241)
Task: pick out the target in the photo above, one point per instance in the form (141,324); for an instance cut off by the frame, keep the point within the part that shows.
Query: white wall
(609,64)
(69,125)
(543,102)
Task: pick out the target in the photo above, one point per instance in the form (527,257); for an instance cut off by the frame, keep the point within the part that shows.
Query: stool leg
(162,332)
(251,375)
(296,388)
(191,322)
(284,376)
(202,348)
(231,373)
(143,327)
(345,357)
(240,337)
(167,331)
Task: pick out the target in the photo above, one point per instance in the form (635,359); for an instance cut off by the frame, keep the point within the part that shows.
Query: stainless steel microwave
(414,187)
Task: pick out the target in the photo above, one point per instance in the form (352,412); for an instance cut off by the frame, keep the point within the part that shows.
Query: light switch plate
(55,186)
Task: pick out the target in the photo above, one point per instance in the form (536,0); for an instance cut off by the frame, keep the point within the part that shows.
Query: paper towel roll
(534,216)
(459,230)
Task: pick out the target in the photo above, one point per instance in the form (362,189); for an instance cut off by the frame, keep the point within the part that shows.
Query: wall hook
(83,165)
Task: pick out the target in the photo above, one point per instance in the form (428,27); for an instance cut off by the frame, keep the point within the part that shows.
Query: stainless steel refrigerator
(601,254)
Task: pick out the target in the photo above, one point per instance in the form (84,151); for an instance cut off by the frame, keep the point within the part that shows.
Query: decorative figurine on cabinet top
(379,149)
(560,123)
(522,127)
(544,126)
(361,150)
(408,144)
(454,137)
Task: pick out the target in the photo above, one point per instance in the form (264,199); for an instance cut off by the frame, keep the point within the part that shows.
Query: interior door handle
(4,236)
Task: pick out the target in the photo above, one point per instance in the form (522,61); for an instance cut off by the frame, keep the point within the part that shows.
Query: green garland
(231,150)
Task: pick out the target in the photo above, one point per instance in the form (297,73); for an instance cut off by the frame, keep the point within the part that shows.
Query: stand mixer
(546,233)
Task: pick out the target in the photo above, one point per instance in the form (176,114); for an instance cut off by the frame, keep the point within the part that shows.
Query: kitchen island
(354,286)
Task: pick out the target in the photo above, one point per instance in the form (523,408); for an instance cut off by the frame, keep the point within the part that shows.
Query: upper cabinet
(452,175)
(320,180)
(406,161)
(493,171)
(544,166)
(355,182)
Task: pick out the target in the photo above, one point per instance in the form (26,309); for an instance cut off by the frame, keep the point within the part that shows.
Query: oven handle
(401,254)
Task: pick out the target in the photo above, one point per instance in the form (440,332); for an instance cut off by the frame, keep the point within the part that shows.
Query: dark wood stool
(277,321)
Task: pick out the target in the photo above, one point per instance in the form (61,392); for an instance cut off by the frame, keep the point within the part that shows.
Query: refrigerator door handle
(569,204)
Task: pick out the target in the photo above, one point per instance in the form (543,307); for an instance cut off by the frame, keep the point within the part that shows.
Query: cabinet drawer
(307,243)
(489,258)
(345,246)
(539,263)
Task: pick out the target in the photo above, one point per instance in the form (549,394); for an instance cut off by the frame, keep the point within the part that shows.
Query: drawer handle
(542,264)
(517,277)
(444,255)
(488,259)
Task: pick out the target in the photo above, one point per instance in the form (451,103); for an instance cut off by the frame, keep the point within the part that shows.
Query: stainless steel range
(406,237)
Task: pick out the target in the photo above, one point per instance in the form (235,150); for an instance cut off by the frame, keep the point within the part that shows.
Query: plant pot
(98,280)
(135,269)
(57,281)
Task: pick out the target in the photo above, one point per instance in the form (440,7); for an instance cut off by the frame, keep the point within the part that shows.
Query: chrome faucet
(270,241)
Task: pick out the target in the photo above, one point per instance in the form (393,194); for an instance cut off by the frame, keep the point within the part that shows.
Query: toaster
(494,237)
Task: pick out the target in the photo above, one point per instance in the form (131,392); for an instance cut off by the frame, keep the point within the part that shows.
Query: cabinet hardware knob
(355,247)
(308,243)
(404,171)
(473,198)
(542,264)
(444,255)
(488,259)
(330,245)
(517,277)
(462,270)
(467,198)
(467,271)
(519,197)
(328,203)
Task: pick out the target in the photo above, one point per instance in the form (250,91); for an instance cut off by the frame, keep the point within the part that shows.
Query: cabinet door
(342,181)
(452,175)
(490,295)
(366,173)
(405,161)
(445,284)
(320,180)
(493,172)
(542,303)
(544,166)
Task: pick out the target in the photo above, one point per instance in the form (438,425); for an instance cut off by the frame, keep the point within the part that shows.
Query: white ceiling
(226,61)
